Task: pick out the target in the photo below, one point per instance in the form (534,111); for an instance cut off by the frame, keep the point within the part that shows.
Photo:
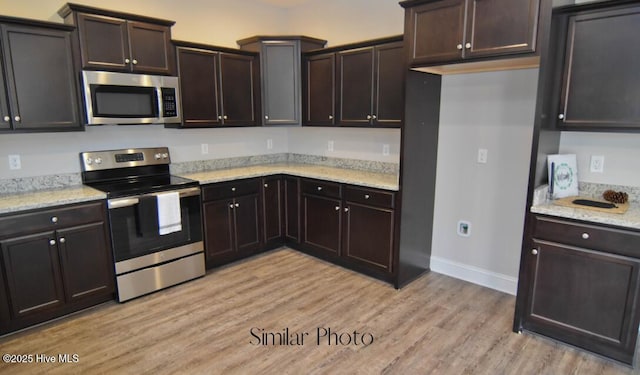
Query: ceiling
(284,3)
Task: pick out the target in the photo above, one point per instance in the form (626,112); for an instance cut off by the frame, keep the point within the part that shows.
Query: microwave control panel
(169,102)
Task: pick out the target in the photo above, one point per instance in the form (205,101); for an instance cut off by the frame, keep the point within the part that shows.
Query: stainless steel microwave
(122,98)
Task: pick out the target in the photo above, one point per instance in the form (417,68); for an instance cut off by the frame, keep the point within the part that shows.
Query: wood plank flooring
(435,325)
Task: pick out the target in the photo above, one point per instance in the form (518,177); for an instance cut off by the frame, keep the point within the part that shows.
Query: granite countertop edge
(16,202)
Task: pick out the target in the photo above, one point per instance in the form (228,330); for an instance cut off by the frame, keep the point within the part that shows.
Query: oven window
(124,101)
(132,238)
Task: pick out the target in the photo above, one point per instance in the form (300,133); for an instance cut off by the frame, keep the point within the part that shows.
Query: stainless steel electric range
(155,218)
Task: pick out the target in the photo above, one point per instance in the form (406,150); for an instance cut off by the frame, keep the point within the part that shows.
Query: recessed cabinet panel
(199,87)
(355,84)
(319,96)
(247,223)
(272,209)
(322,223)
(601,84)
(389,98)
(368,235)
(438,30)
(150,47)
(238,89)
(281,78)
(218,228)
(103,42)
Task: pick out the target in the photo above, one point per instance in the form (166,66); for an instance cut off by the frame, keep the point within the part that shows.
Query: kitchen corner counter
(349,176)
(630,219)
(48,198)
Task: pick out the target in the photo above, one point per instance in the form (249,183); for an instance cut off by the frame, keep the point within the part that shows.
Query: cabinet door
(247,223)
(319,90)
(389,95)
(601,84)
(292,208)
(103,42)
(41,81)
(496,27)
(322,223)
(5,115)
(583,297)
(238,82)
(368,235)
(218,231)
(272,215)
(151,49)
(355,87)
(436,31)
(280,62)
(199,87)
(86,261)
(32,268)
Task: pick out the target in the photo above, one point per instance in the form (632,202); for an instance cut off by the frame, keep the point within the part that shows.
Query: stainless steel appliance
(141,196)
(123,98)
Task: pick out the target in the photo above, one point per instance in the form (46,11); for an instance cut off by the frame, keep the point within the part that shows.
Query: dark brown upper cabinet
(38,86)
(280,75)
(120,41)
(453,31)
(599,69)
(370,86)
(319,90)
(360,84)
(219,86)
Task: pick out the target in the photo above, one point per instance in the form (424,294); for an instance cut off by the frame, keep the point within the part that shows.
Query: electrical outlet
(464,228)
(204,148)
(482,155)
(385,150)
(597,164)
(269,144)
(14,162)
(330,146)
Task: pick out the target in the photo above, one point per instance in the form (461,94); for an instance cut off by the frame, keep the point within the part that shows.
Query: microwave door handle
(159,101)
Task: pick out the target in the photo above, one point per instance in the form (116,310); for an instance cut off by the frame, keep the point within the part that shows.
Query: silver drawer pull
(346,209)
(63,240)
(266,185)
(54,219)
(231,205)
(337,208)
(534,251)
(585,236)
(319,188)
(52,242)
(233,189)
(366,196)
(237,204)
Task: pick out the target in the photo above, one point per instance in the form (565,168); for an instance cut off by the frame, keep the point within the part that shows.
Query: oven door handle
(132,201)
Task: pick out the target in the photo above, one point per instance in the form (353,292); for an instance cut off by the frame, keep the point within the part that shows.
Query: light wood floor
(435,325)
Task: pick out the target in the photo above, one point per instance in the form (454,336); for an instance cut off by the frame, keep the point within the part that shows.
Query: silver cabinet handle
(337,208)
(368,117)
(126,61)
(468,45)
(7,118)
(237,204)
(366,196)
(346,209)
(330,117)
(319,188)
(266,185)
(63,240)
(52,242)
(459,46)
(219,117)
(54,219)
(17,118)
(534,251)
(561,116)
(585,236)
(266,117)
(233,189)
(225,117)
(231,205)
(135,62)
(374,117)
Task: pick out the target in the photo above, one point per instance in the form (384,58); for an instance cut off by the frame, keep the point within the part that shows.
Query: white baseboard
(472,274)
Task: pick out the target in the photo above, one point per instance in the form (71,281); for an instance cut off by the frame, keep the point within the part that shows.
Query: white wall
(621,156)
(494,111)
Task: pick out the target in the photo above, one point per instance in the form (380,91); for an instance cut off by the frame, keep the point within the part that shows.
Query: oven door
(132,226)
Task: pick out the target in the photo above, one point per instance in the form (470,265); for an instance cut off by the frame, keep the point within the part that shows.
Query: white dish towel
(169,220)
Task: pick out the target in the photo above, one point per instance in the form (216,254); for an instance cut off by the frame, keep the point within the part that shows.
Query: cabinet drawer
(588,236)
(230,189)
(52,219)
(369,196)
(322,188)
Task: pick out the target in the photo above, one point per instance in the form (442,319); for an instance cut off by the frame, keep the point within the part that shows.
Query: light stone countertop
(630,219)
(350,176)
(48,198)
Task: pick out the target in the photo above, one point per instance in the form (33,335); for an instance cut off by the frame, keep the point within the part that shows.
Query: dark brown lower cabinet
(321,216)
(291,209)
(580,294)
(54,262)
(231,213)
(368,235)
(272,210)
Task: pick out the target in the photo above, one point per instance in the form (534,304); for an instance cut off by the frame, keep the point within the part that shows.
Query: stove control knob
(98,160)
(89,161)
(157,156)
(165,155)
